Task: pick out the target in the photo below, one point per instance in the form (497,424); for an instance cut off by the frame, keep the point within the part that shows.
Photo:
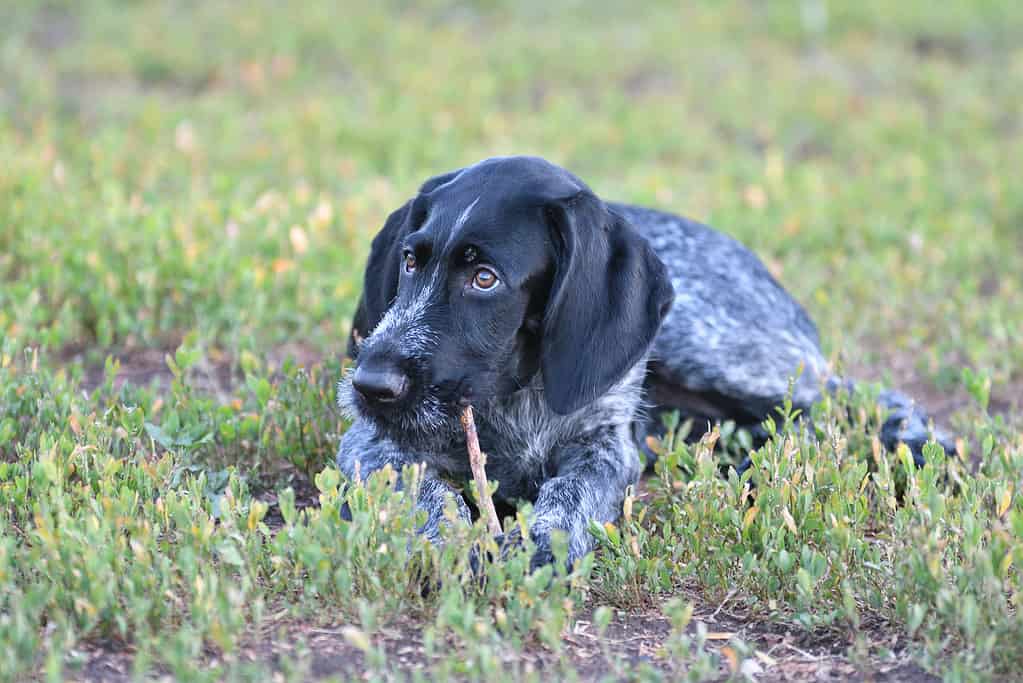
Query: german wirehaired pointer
(569,324)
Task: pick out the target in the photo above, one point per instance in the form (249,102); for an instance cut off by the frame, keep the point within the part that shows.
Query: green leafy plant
(188,193)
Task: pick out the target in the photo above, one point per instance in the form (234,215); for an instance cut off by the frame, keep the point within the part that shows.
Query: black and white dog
(568,324)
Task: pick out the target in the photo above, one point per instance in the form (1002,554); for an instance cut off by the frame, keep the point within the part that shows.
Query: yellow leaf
(256,512)
(789,521)
(356,638)
(1005,501)
(750,515)
(322,215)
(755,196)
(1006,563)
(299,240)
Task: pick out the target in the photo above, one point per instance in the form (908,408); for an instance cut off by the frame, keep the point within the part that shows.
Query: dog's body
(569,324)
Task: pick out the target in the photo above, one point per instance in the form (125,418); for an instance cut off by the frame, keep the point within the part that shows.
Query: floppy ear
(609,296)
(380,283)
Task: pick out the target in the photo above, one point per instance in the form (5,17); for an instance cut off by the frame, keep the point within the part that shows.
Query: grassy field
(187,194)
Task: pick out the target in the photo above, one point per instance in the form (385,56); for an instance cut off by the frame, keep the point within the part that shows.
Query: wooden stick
(478,461)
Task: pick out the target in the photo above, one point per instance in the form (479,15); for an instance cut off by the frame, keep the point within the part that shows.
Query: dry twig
(478,461)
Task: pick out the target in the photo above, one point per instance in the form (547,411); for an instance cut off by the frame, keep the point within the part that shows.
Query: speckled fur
(733,330)
(735,339)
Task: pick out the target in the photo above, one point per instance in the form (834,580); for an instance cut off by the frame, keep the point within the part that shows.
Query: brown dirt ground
(943,405)
(148,366)
(324,650)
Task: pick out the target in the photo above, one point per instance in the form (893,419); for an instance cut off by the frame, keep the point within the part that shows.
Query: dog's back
(733,332)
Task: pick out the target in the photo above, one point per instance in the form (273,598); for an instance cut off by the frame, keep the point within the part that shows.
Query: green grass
(202,180)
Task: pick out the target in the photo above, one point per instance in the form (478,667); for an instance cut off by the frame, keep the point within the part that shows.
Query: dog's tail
(906,421)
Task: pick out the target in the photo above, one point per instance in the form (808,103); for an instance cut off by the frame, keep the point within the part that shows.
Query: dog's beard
(428,419)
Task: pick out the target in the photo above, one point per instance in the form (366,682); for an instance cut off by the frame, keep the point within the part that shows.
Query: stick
(477,461)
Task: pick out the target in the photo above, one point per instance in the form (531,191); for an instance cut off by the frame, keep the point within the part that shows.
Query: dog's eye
(484,279)
(410,262)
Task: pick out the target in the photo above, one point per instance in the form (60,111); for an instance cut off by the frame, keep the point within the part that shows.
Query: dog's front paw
(507,543)
(542,554)
(434,497)
(482,554)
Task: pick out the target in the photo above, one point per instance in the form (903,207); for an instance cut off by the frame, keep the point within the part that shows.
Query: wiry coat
(605,315)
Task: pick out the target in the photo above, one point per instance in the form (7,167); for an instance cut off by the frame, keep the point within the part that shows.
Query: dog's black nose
(383,385)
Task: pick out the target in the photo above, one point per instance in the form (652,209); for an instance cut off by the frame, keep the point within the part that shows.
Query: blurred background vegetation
(219,168)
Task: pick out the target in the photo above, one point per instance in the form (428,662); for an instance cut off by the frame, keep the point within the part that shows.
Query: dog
(570,325)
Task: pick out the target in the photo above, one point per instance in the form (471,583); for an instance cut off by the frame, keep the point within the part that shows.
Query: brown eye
(484,279)
(410,262)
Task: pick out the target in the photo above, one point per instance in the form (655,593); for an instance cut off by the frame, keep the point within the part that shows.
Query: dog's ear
(609,296)
(380,282)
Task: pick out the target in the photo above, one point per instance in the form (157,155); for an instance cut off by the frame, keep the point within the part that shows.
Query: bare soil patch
(323,649)
(217,373)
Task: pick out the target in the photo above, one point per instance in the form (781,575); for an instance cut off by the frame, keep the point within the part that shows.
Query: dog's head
(489,275)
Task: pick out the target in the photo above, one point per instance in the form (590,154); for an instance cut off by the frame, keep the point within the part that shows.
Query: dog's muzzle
(380,382)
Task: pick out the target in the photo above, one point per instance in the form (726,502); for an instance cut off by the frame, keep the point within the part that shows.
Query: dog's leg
(363,451)
(906,422)
(592,475)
